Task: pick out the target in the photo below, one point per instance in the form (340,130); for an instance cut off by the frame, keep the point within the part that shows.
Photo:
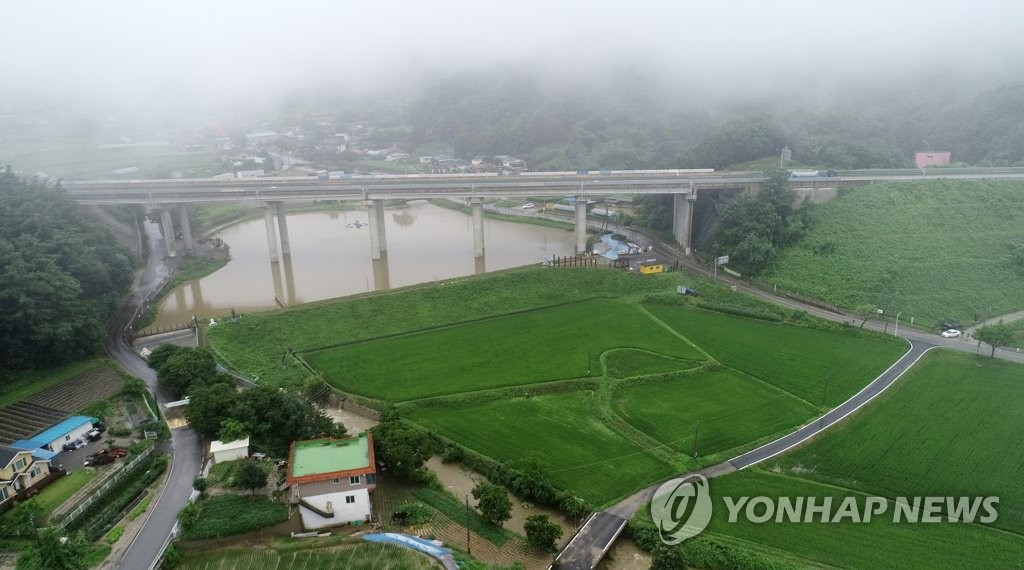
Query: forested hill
(60,277)
(633,121)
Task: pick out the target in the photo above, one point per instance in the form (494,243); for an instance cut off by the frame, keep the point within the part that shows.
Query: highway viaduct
(273,193)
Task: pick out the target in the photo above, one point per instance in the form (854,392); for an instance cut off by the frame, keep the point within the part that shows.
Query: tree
(668,558)
(251,477)
(864,312)
(55,553)
(995,336)
(188,516)
(182,369)
(493,503)
(232,430)
(403,447)
(200,484)
(209,406)
(161,354)
(541,533)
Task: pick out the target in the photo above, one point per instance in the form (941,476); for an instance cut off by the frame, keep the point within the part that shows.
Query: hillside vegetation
(934,251)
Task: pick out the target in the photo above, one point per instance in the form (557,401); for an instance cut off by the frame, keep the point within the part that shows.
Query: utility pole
(588,361)
(469,550)
(824,397)
(897,333)
(696,430)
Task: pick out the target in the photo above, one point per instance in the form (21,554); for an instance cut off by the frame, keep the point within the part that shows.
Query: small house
(331,480)
(19,473)
(650,268)
(229,450)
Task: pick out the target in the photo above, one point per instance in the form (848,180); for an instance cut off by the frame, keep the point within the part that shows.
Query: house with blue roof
(54,438)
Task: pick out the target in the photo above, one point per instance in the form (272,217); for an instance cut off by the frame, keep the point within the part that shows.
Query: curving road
(185,446)
(587,548)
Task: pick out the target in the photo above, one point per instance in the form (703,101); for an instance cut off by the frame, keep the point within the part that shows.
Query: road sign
(723,260)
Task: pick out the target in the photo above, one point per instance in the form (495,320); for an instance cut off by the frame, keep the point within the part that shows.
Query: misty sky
(222,52)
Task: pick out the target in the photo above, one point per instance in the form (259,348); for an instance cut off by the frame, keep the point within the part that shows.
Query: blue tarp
(61,429)
(419,544)
(614,247)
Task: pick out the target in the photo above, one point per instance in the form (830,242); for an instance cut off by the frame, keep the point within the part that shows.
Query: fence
(128,468)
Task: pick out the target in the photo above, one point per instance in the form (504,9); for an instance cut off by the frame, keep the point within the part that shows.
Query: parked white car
(951,333)
(528,205)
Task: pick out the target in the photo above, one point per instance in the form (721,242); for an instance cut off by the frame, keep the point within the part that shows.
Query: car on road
(951,333)
(528,205)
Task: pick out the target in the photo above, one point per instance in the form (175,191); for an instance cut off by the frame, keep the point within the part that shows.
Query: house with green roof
(331,480)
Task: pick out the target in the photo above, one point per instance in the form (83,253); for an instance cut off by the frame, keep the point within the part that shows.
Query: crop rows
(24,419)
(78,392)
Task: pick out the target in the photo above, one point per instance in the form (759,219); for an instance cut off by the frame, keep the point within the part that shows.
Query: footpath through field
(994,321)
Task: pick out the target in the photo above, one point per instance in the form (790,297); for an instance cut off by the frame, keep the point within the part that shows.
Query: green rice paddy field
(949,427)
(562,431)
(537,346)
(655,370)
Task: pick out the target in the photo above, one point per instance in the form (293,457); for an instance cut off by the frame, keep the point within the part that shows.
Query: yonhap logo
(681,508)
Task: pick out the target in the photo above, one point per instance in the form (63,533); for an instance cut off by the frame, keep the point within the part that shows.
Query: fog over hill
(191,57)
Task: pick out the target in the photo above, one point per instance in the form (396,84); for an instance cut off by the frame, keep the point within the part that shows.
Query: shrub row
(99,517)
(704,551)
(529,485)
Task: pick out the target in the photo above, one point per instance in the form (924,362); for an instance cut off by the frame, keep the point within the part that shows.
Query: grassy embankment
(301,555)
(934,251)
(472,361)
(946,429)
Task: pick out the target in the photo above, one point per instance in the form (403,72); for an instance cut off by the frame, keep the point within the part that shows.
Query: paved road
(597,535)
(185,446)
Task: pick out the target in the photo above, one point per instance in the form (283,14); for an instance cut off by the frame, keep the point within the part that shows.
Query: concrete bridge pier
(378,244)
(168,226)
(268,217)
(289,279)
(186,227)
(282,226)
(682,218)
(477,205)
(381,274)
(581,225)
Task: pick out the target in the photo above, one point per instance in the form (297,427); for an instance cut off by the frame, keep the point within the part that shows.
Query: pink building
(923,159)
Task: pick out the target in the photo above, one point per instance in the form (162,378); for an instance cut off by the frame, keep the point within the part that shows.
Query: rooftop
(46,436)
(219,445)
(321,459)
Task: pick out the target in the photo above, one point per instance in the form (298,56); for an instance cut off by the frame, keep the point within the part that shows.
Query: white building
(229,451)
(331,480)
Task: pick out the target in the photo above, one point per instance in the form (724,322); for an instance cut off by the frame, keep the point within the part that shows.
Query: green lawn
(81,159)
(936,250)
(626,362)
(549,344)
(561,431)
(256,343)
(225,515)
(732,410)
(796,359)
(61,490)
(951,426)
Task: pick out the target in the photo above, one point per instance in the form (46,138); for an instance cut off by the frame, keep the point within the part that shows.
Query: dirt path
(994,321)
